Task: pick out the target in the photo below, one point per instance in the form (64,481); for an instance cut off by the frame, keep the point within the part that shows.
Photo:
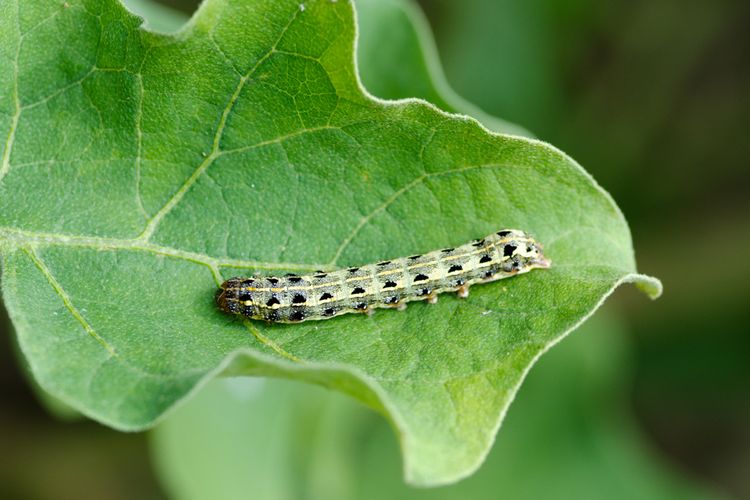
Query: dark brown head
(228,296)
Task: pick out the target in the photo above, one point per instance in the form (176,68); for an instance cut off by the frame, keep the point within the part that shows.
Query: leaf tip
(648,284)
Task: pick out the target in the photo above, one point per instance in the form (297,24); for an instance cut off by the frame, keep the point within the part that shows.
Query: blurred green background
(647,400)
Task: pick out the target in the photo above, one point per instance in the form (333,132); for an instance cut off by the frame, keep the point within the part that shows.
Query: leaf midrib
(21,238)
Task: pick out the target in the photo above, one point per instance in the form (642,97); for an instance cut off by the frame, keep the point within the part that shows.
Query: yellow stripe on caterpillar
(389,284)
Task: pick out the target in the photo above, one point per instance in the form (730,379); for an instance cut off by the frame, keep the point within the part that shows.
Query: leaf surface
(139,170)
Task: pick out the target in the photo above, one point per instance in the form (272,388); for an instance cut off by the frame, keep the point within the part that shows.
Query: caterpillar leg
(463,291)
(399,306)
(364,309)
(432,299)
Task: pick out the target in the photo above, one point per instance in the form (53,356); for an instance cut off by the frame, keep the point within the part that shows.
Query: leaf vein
(270,343)
(5,162)
(391,199)
(21,237)
(59,290)
(215,148)
(139,147)
(61,90)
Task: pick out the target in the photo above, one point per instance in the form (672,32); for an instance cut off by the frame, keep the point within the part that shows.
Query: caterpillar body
(389,284)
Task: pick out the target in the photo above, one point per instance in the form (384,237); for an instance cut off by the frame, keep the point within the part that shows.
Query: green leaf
(139,170)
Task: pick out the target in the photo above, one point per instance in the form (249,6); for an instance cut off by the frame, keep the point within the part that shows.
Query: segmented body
(390,284)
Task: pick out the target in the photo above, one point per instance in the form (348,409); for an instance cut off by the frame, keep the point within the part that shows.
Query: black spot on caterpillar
(386,284)
(296,315)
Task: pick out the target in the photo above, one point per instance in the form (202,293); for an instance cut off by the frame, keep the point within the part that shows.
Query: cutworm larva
(390,284)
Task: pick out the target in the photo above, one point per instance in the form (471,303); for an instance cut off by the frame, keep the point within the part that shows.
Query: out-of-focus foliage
(398,60)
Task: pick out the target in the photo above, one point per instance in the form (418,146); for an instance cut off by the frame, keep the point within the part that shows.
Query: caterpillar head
(234,297)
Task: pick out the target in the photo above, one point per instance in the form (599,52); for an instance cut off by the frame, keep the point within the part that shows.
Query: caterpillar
(388,284)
